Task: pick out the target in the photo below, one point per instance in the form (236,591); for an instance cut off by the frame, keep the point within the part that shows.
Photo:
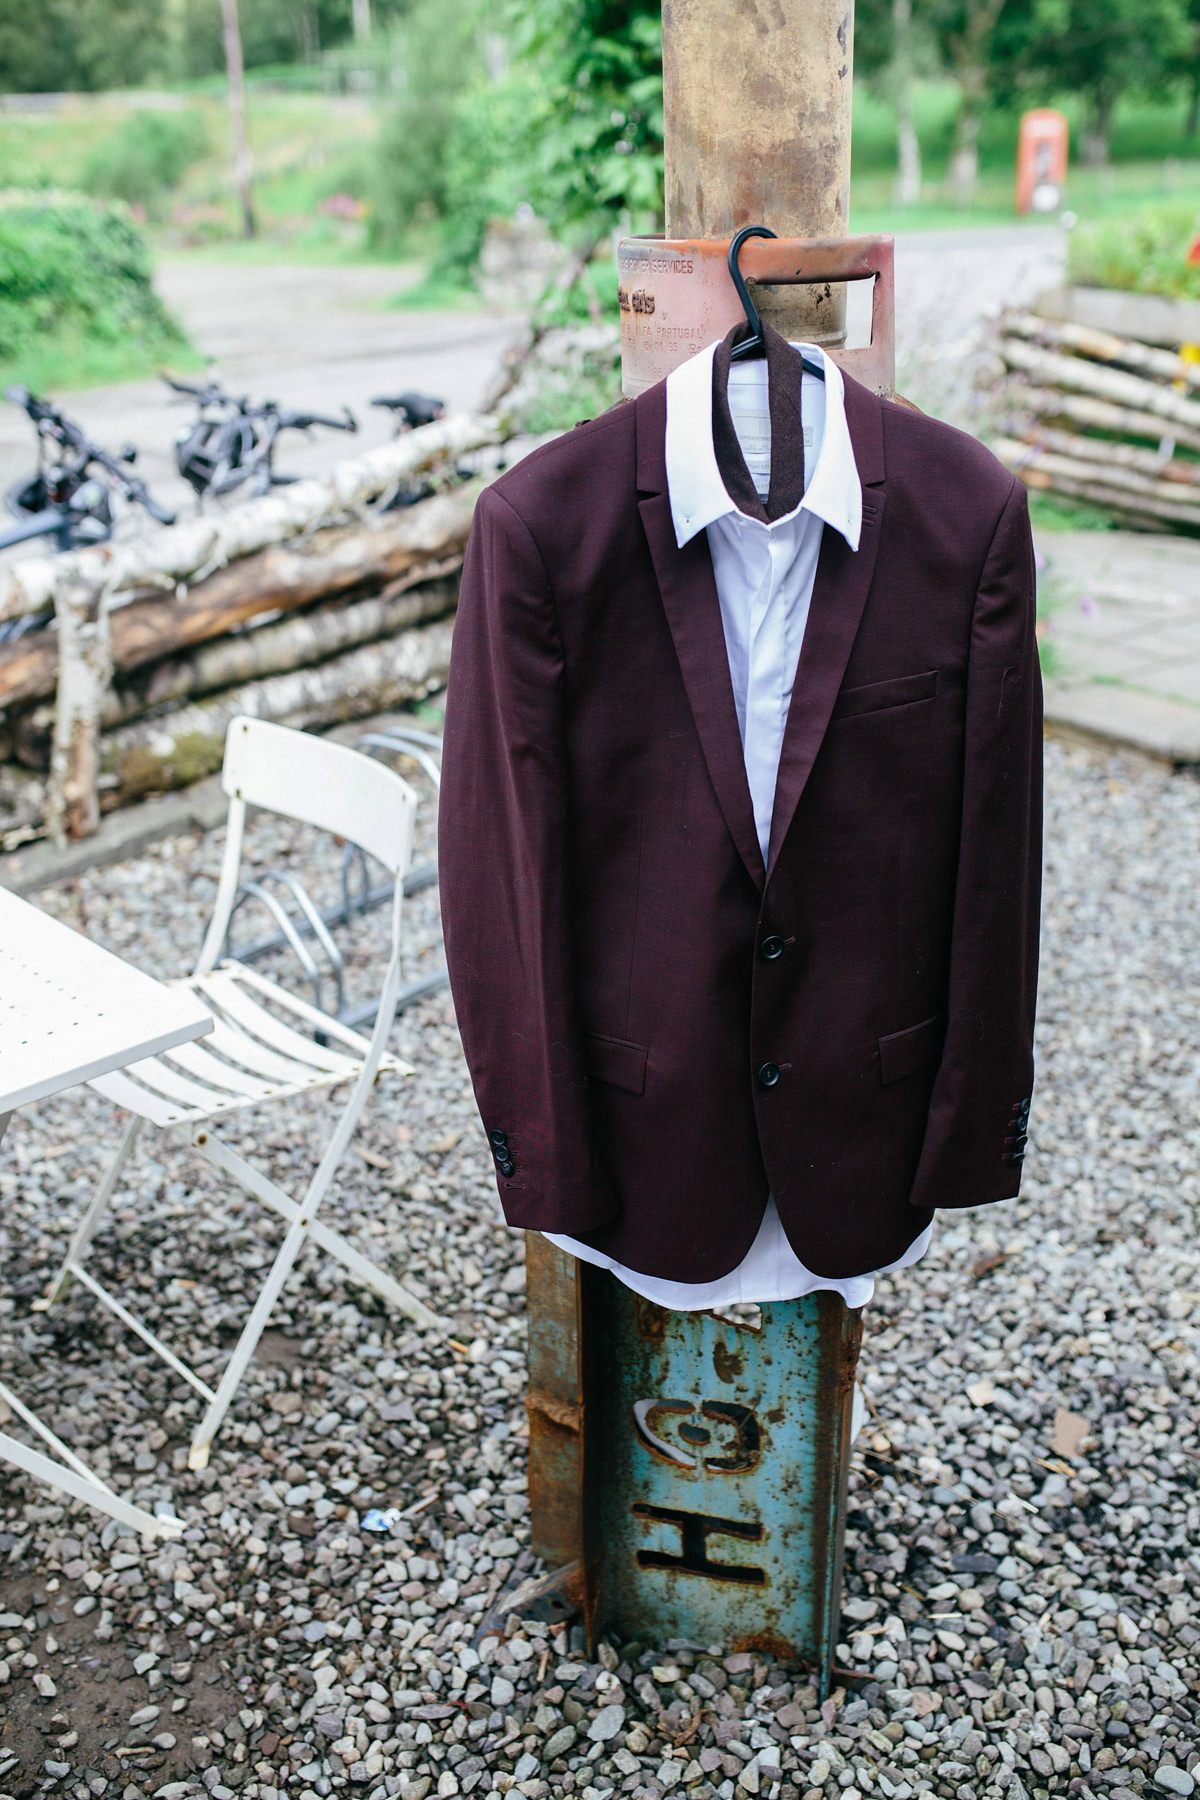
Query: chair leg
(89,1490)
(210,1424)
(332,1242)
(88,1226)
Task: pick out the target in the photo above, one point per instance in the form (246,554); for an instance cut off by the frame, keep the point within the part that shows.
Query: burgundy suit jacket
(661,1031)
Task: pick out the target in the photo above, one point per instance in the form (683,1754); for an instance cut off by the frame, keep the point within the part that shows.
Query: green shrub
(437,56)
(75,282)
(147,157)
(1145,255)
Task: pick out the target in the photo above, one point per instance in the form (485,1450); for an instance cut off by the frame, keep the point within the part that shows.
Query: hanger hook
(755,340)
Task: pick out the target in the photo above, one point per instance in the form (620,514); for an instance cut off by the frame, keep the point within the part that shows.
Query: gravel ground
(1022,1546)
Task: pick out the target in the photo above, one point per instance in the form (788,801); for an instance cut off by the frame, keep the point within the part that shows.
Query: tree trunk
(85,670)
(1094,140)
(1192,123)
(970,51)
(360,12)
(908,146)
(231,33)
(413,546)
(964,162)
(155,755)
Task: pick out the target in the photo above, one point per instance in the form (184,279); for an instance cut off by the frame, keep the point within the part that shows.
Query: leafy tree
(1099,49)
(561,110)
(89,44)
(273,31)
(964,30)
(437,53)
(35,53)
(602,121)
(147,157)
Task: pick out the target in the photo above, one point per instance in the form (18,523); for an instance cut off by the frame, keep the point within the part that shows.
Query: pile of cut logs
(1101,418)
(315,604)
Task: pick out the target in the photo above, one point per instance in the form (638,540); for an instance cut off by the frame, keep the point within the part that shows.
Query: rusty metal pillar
(756,107)
(687,1471)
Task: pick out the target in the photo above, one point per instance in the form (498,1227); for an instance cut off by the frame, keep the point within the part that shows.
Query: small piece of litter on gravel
(1070,1430)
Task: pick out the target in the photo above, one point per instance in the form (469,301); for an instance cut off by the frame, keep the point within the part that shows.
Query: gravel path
(1023,1561)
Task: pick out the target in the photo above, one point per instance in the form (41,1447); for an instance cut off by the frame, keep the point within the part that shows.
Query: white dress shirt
(764,577)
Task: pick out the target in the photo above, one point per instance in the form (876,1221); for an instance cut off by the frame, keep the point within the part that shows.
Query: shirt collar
(698,495)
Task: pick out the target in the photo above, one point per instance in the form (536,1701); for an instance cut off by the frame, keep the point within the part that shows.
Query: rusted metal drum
(687,1472)
(676,296)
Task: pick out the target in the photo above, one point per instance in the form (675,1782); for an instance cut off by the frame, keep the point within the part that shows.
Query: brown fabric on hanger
(785,372)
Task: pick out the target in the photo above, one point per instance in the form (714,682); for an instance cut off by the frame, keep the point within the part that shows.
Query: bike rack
(307,927)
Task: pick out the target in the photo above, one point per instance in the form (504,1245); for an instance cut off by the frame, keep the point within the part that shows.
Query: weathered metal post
(688,1470)
(757,104)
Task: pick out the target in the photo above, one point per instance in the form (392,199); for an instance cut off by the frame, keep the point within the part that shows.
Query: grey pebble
(1090,1309)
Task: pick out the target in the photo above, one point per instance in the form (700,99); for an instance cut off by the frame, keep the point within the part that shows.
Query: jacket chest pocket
(884,696)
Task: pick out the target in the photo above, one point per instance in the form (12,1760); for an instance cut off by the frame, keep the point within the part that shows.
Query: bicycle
(231,442)
(63,499)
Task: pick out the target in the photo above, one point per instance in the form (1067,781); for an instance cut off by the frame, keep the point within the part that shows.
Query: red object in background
(1041,160)
(1193,252)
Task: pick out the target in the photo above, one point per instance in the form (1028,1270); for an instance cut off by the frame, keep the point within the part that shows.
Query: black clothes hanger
(754,344)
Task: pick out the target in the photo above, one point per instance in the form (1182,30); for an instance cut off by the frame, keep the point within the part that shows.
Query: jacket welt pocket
(904,1052)
(902,690)
(613,1061)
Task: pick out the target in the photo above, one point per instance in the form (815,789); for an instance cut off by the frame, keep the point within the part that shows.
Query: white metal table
(70,1011)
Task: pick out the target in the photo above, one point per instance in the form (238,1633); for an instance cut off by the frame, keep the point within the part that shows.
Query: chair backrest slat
(323,784)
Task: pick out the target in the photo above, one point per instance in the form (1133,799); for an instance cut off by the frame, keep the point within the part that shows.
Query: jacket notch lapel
(839,596)
(689,596)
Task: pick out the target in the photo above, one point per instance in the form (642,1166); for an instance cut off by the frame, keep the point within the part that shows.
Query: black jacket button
(768,1075)
(770,948)
(499,1138)
(507,1166)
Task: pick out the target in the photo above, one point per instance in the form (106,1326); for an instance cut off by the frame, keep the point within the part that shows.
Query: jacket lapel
(689,597)
(839,596)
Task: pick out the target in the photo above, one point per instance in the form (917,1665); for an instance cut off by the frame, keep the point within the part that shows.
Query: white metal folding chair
(267,1044)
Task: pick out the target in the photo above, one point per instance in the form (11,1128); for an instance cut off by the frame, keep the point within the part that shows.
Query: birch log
(1077,376)
(411,545)
(1105,453)
(72,802)
(1123,488)
(179,553)
(1103,346)
(293,643)
(154,755)
(1102,415)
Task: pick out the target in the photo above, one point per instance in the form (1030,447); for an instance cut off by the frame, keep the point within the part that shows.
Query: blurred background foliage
(418,130)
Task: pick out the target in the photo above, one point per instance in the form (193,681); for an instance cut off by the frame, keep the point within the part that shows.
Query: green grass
(69,359)
(436,293)
(1055,512)
(306,148)
(1152,162)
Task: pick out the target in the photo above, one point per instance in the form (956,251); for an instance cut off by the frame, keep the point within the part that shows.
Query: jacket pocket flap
(904,1052)
(616,1062)
(902,690)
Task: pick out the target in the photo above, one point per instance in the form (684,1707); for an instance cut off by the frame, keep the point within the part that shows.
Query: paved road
(315,338)
(322,338)
(948,283)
